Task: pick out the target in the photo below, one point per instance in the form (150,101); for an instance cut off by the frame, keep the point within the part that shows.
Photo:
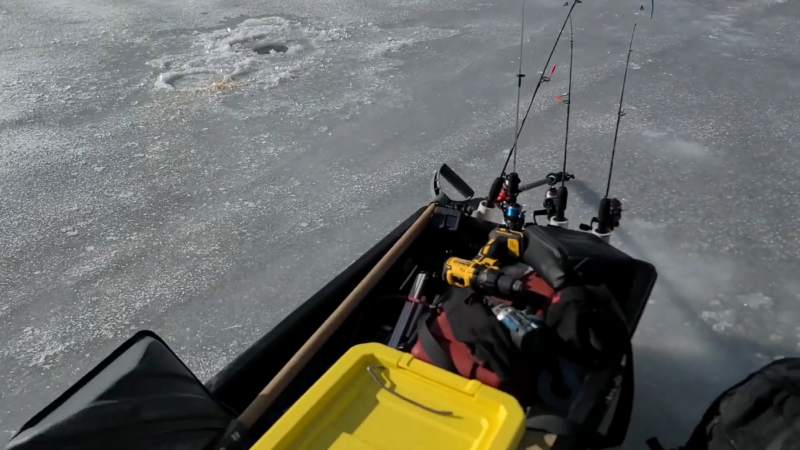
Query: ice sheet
(152,164)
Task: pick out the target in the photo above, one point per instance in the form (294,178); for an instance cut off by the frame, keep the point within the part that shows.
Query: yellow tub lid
(375,397)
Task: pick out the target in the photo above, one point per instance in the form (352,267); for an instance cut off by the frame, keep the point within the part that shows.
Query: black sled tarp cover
(762,412)
(140,397)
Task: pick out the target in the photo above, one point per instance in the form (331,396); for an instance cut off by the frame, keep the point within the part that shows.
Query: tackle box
(375,397)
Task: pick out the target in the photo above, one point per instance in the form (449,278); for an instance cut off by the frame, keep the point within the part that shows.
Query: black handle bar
(551,179)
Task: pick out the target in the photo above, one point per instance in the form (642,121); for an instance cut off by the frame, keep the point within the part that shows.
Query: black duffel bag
(593,333)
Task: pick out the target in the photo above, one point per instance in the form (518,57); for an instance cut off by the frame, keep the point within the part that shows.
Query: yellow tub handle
(379,383)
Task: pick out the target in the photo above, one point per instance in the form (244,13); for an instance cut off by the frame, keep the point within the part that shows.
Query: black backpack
(760,413)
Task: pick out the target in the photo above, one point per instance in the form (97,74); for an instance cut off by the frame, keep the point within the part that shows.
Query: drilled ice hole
(268,49)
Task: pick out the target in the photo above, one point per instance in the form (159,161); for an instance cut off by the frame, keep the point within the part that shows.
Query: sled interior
(132,377)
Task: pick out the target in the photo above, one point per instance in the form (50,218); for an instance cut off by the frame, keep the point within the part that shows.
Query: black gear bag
(760,413)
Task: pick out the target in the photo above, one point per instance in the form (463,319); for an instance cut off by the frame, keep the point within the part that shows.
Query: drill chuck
(494,281)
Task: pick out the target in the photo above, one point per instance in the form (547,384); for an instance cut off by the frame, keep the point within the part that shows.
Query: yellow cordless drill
(483,273)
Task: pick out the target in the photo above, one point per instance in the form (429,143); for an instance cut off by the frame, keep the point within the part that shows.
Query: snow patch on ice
(36,346)
(176,80)
(719,320)
(645,225)
(756,301)
(686,148)
(653,134)
(29,147)
(89,268)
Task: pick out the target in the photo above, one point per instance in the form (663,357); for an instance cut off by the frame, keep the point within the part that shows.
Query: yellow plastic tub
(376,397)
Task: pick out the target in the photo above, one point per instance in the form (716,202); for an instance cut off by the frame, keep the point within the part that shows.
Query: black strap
(580,435)
(654,444)
(436,355)
(558,425)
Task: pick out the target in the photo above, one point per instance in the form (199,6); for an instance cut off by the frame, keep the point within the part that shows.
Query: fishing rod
(610,209)
(561,194)
(620,112)
(542,79)
(568,100)
(506,187)
(520,76)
